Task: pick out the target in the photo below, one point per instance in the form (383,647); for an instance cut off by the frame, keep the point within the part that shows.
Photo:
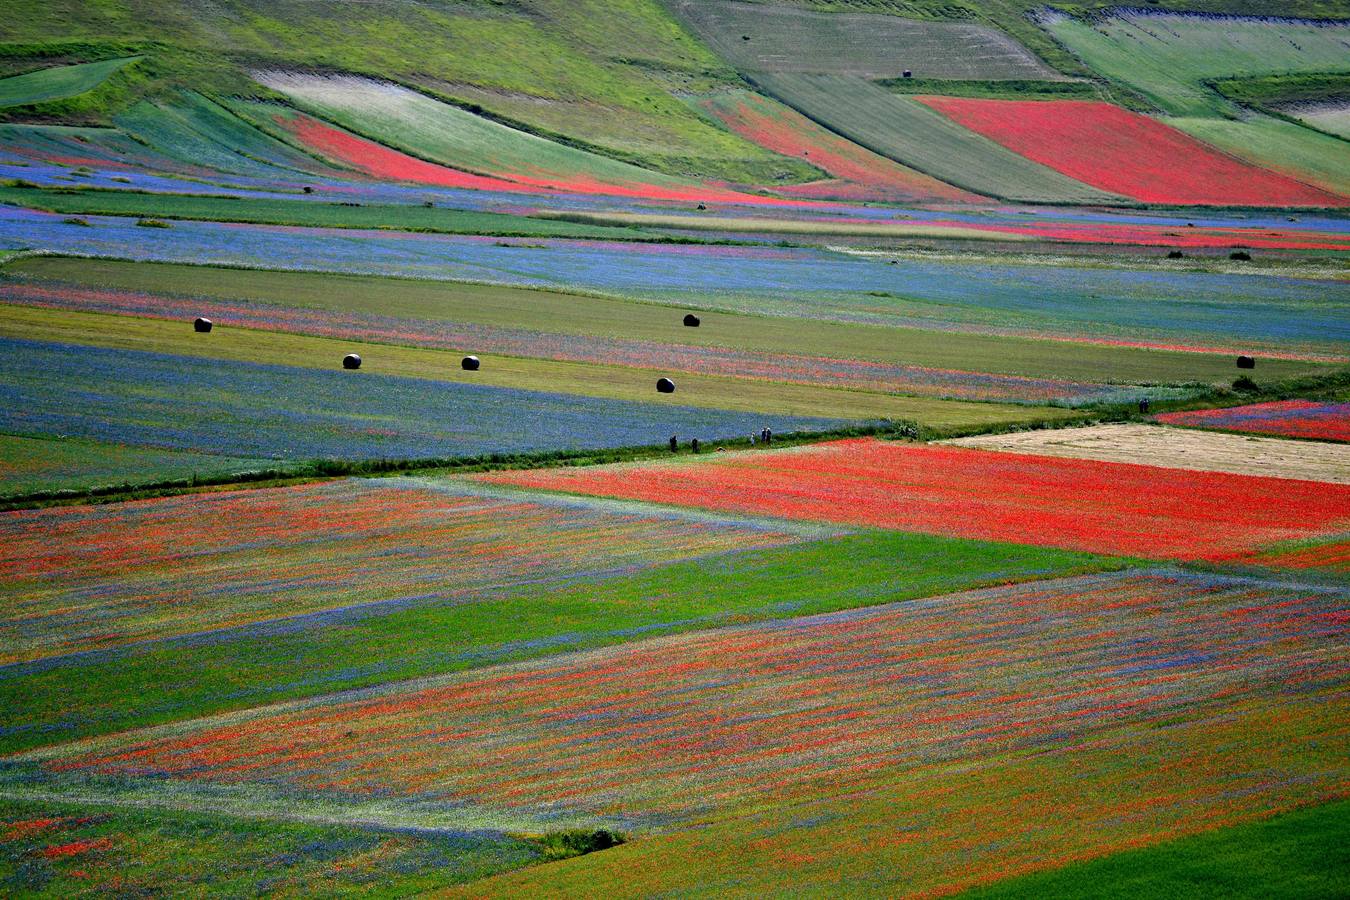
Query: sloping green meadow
(57,82)
(1168,57)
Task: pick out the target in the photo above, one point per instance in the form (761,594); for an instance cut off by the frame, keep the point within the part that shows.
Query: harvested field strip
(67,849)
(29,465)
(420,307)
(1079,504)
(406,120)
(758,37)
(206,562)
(278,411)
(1126,153)
(1178,448)
(784,130)
(57,82)
(542,614)
(1171,308)
(713,725)
(1277,145)
(908,132)
(521,342)
(295,356)
(1333,117)
(1288,418)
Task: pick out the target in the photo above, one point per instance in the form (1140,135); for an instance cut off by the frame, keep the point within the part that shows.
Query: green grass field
(307,213)
(1168,58)
(562,313)
(1301,853)
(31,465)
(134,686)
(1279,145)
(57,82)
(911,133)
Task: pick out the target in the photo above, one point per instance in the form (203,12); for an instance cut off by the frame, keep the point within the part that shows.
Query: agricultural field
(910,133)
(57,82)
(1167,58)
(779,38)
(1177,448)
(1127,153)
(1063,502)
(857,173)
(775,448)
(1328,421)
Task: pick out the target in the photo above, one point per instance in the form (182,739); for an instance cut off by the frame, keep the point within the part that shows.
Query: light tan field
(1179,448)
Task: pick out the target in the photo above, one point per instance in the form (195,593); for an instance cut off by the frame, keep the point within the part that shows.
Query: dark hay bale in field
(307,189)
(1246,362)
(691,320)
(665,386)
(907,74)
(1176,254)
(200,325)
(1240,255)
(351,361)
(469,364)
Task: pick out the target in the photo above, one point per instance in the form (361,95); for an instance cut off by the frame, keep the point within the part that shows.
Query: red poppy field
(1072,503)
(1127,153)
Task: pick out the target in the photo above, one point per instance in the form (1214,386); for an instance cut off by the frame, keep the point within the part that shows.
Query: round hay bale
(691,320)
(469,364)
(907,73)
(351,361)
(665,386)
(1246,362)
(201,325)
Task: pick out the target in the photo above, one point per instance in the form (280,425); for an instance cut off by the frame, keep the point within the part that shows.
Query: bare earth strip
(1177,448)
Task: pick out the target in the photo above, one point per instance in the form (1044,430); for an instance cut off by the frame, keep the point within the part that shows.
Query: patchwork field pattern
(206,562)
(1080,504)
(908,132)
(859,173)
(407,120)
(1178,449)
(1288,418)
(1331,556)
(57,82)
(758,37)
(1126,153)
(768,721)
